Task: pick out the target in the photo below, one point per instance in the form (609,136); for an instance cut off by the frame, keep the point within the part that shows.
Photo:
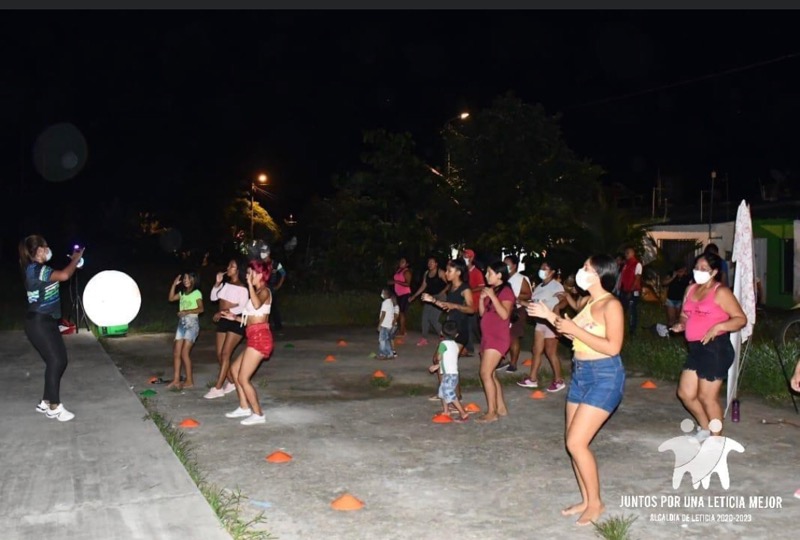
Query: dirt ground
(348,434)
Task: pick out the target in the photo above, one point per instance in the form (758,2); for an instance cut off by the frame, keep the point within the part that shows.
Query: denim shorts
(447,388)
(676,304)
(598,383)
(188,328)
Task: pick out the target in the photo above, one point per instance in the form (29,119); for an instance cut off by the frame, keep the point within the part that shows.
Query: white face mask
(542,274)
(701,277)
(48,255)
(466,261)
(583,279)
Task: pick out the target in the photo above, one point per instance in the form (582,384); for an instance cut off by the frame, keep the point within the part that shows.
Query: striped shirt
(43,294)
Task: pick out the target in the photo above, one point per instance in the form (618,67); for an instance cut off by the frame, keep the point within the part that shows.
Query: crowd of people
(593,310)
(483,311)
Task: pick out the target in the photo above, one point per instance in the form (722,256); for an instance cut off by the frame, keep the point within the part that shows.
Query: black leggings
(42,331)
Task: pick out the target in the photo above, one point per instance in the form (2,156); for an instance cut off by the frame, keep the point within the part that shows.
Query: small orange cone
(399,341)
(537,394)
(189,423)
(330,358)
(279,457)
(527,362)
(346,503)
(649,384)
(472,407)
(442,419)
(379,375)
(153,380)
(341,343)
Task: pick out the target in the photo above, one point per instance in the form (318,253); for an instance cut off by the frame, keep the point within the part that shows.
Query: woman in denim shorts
(598,377)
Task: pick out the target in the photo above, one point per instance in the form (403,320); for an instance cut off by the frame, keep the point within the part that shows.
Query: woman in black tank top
(434,284)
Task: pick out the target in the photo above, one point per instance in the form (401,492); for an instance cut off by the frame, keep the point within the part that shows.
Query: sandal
(461,419)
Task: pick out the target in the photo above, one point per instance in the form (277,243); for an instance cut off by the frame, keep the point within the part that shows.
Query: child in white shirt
(447,365)
(385,322)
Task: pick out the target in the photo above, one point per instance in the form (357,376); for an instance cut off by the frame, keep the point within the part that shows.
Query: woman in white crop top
(232,295)
(255,318)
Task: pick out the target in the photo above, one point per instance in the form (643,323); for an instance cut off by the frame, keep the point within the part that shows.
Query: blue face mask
(49,255)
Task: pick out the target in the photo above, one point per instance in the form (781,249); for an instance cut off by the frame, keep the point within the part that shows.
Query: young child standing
(385,323)
(447,366)
(395,321)
(190,305)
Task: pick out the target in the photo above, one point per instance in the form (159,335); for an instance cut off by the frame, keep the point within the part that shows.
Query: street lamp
(261,179)
(462,116)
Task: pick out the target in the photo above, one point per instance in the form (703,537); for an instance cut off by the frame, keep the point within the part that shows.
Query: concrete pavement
(107,474)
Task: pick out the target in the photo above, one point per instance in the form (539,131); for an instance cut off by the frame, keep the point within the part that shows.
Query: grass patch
(226,504)
(615,527)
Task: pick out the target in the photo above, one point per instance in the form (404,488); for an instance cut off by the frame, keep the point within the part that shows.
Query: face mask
(542,274)
(466,261)
(583,279)
(48,255)
(701,277)
(509,269)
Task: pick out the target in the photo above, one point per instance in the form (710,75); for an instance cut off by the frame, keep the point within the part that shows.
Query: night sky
(188,98)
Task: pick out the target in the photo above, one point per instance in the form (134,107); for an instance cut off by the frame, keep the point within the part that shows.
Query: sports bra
(585,320)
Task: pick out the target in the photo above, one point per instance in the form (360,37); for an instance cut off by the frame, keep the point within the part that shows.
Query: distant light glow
(111,298)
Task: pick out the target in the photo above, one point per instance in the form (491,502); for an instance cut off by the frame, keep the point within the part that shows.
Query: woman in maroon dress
(495,307)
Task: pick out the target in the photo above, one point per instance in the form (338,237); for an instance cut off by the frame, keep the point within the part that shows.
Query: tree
(519,185)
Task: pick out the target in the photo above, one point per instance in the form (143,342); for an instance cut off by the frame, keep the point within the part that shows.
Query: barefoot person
(232,295)
(259,344)
(41,322)
(495,307)
(598,377)
(710,313)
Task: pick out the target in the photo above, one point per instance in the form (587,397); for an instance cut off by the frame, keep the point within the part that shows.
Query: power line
(684,82)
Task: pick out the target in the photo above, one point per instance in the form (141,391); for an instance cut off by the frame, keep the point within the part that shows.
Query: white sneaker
(254,419)
(214,393)
(702,434)
(239,413)
(62,414)
(229,387)
(42,407)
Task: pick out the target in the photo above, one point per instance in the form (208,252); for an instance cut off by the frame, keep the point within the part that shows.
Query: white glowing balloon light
(111,298)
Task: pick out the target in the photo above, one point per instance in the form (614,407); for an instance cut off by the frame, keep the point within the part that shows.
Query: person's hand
(538,309)
(710,335)
(228,315)
(217,316)
(678,327)
(77,254)
(181,313)
(488,292)
(426,297)
(220,275)
(433,368)
(249,278)
(796,379)
(177,281)
(565,325)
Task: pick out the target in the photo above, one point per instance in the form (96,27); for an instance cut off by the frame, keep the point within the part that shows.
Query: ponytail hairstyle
(28,247)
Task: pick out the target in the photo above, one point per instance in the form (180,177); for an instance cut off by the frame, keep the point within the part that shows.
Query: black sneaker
(501,365)
(511,368)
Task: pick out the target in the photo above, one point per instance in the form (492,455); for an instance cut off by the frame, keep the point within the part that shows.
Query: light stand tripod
(77,304)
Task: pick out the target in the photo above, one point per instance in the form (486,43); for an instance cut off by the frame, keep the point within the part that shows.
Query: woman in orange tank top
(598,377)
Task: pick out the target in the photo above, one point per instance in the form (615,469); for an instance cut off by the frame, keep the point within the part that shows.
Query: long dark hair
(499,267)
(460,267)
(607,270)
(27,249)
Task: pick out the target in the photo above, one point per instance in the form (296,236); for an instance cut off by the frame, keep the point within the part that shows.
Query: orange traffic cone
(649,384)
(527,362)
(330,358)
(346,503)
(537,394)
(442,419)
(341,343)
(189,423)
(472,408)
(279,457)
(379,375)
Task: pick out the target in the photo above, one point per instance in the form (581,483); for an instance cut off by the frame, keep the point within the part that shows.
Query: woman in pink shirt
(710,313)
(402,289)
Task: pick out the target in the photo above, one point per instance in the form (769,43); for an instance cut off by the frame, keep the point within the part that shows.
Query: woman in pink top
(495,306)
(402,290)
(710,313)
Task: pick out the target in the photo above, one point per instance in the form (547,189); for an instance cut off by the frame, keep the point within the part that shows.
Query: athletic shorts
(226,325)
